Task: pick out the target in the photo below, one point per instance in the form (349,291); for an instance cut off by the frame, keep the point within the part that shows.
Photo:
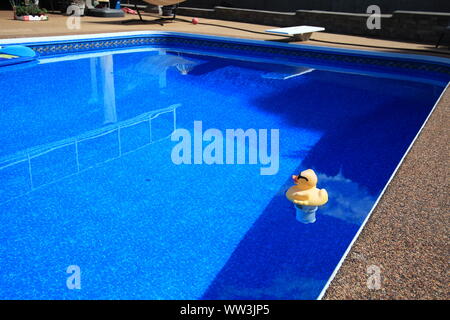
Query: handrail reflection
(115,133)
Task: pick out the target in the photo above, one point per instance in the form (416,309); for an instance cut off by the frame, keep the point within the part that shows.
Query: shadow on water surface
(365,136)
(367,123)
(280,258)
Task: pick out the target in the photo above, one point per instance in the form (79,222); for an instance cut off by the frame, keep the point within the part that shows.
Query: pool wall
(412,67)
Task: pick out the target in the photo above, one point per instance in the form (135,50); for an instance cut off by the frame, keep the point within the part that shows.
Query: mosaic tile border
(360,60)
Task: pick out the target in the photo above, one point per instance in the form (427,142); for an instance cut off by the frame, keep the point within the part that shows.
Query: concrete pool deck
(407,234)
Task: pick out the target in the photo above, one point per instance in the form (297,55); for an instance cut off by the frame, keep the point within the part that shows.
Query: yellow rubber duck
(304,192)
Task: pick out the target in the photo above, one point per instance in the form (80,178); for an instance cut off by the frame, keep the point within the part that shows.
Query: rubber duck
(306,196)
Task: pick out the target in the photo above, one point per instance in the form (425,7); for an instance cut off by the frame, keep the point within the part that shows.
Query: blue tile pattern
(103,44)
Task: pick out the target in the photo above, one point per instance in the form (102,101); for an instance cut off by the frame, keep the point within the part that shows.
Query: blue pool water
(86,176)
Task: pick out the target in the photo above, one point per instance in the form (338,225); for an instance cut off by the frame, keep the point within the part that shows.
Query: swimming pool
(87,176)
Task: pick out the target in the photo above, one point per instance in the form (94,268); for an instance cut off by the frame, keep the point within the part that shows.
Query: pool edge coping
(97,36)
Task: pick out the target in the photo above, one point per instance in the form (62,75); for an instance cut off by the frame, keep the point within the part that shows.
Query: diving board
(298,33)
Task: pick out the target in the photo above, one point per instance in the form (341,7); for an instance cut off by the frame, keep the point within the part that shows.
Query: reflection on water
(158,65)
(282,72)
(109,92)
(348,200)
(104,75)
(40,165)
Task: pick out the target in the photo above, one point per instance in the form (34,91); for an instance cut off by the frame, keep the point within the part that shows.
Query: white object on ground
(300,33)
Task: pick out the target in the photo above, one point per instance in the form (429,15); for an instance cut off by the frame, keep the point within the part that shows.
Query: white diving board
(299,33)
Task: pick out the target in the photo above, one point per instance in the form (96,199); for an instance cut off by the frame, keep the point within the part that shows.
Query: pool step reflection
(39,166)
